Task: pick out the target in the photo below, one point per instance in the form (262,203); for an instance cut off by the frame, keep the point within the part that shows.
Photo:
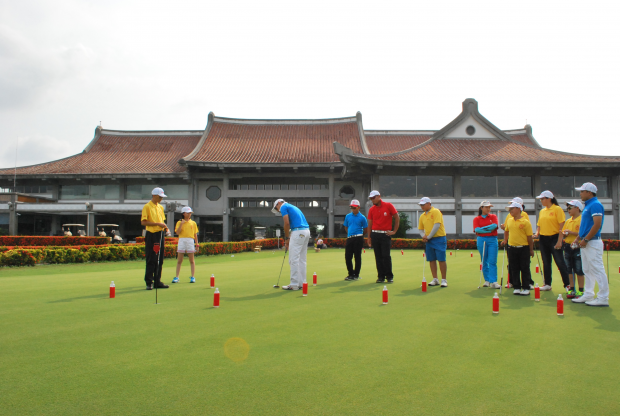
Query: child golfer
(572,252)
(188,242)
(518,233)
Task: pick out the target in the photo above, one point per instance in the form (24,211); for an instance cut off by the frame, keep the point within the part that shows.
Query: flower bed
(52,241)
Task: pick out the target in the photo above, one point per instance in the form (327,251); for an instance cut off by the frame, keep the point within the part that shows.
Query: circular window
(214,193)
(470,130)
(347,192)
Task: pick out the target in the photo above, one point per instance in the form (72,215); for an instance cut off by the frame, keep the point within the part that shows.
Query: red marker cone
(385,295)
(537,269)
(402,253)
(364,251)
(314,279)
(305,288)
(212,281)
(560,305)
(423,284)
(536,293)
(496,303)
(480,266)
(423,254)
(216,298)
(471,254)
(112,290)
(450,253)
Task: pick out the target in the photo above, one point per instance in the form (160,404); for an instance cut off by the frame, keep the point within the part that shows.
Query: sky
(66,66)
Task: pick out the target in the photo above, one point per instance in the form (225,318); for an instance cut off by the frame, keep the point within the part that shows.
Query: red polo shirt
(381,216)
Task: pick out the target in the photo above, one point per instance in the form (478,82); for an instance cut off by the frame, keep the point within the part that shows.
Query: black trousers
(153,274)
(547,250)
(354,248)
(519,267)
(382,243)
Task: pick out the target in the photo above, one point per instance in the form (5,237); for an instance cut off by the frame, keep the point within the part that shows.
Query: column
(90,224)
(13,216)
(55,225)
(226,210)
(331,207)
(615,203)
(458,205)
(537,191)
(171,207)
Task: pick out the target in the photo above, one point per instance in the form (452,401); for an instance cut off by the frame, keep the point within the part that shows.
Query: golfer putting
(154,219)
(433,233)
(297,235)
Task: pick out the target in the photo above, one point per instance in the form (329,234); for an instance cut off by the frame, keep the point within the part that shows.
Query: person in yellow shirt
(503,227)
(572,252)
(154,219)
(188,242)
(550,222)
(518,233)
(433,233)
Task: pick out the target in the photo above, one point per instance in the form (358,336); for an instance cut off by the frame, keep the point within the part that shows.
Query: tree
(404,226)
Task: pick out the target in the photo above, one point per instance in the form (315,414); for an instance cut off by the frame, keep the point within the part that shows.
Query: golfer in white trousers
(592,247)
(297,234)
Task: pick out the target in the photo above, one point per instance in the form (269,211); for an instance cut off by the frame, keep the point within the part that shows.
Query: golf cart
(260,233)
(113,232)
(77,228)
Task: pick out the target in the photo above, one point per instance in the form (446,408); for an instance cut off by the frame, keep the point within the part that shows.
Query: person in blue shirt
(297,235)
(592,247)
(356,226)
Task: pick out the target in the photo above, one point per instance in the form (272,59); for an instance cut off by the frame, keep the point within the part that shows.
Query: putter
(501,286)
(540,269)
(608,248)
(484,246)
(277,285)
(157,249)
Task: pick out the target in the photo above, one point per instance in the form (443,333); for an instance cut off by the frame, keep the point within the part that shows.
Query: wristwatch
(586,240)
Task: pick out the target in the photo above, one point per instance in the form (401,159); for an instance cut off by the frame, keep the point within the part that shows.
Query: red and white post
(216,298)
(112,290)
(385,295)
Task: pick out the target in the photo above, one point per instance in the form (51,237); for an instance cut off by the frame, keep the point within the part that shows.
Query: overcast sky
(66,65)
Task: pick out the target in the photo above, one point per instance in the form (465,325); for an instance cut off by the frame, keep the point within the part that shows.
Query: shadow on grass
(604,316)
(274,293)
(99,295)
(418,291)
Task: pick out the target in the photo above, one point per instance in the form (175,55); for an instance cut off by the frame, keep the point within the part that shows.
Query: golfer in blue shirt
(356,226)
(297,234)
(592,219)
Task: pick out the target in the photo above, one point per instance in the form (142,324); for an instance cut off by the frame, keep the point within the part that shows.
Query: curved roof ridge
(401,132)
(352,119)
(41,164)
(151,132)
(401,151)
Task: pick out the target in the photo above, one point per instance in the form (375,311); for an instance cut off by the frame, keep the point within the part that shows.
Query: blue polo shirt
(355,223)
(592,208)
(295,216)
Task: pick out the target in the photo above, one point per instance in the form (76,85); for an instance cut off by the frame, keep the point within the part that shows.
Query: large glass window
(176,191)
(478,186)
(435,186)
(139,191)
(560,186)
(397,186)
(511,186)
(105,191)
(74,192)
(599,181)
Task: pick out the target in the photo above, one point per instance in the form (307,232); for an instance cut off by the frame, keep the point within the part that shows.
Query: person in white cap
(592,220)
(154,219)
(356,226)
(509,218)
(380,218)
(485,227)
(297,235)
(187,229)
(550,222)
(572,252)
(518,234)
(433,233)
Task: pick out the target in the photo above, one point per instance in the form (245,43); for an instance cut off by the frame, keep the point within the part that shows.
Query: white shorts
(186,245)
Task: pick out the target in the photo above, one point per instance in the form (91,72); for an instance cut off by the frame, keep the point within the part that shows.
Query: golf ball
(232,255)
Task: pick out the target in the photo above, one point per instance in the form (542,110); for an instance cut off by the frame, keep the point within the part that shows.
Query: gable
(470,128)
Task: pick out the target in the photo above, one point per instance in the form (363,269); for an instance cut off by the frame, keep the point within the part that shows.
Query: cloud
(31,74)
(33,150)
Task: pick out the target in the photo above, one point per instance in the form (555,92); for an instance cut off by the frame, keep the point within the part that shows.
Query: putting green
(67,349)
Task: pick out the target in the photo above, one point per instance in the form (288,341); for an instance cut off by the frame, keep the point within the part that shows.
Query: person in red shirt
(380,217)
(485,227)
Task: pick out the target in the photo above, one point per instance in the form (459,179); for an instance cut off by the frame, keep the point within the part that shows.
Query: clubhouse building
(231,172)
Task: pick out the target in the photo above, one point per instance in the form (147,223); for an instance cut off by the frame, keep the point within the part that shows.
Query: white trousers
(298,251)
(594,269)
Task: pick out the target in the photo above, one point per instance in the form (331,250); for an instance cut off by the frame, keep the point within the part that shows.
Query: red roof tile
(253,141)
(122,153)
(379,144)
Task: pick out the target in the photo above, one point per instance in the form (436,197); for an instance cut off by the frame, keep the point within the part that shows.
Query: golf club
(608,248)
(277,285)
(540,269)
(484,246)
(502,283)
(157,249)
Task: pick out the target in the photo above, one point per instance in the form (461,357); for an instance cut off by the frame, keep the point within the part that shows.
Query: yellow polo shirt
(153,213)
(509,217)
(429,219)
(518,231)
(189,229)
(571,225)
(549,220)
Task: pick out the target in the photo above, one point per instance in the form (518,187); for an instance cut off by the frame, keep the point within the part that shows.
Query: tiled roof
(276,141)
(455,150)
(383,143)
(523,138)
(122,152)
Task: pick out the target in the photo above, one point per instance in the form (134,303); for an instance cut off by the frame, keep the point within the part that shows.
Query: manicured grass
(67,349)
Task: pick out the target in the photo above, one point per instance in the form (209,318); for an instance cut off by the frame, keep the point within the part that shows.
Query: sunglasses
(354,207)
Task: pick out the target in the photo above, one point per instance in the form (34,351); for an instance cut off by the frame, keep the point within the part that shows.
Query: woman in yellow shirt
(550,222)
(572,252)
(188,242)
